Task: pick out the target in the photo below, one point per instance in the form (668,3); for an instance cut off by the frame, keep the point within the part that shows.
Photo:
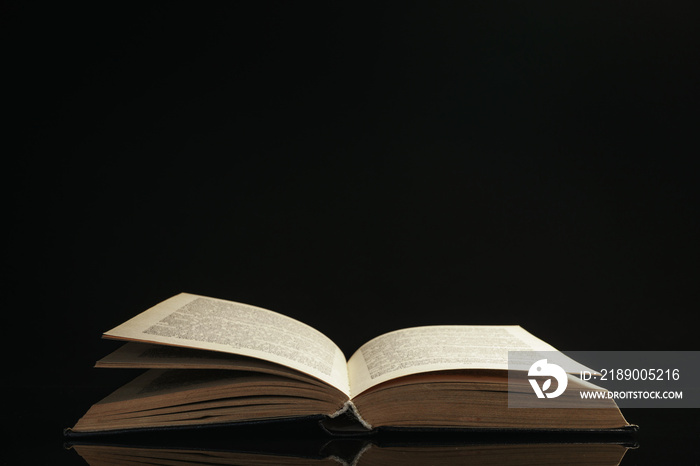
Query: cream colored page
(195,321)
(434,348)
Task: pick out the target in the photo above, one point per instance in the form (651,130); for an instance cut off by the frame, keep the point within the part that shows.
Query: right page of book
(434,348)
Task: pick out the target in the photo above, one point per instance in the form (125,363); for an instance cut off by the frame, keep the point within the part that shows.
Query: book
(210,361)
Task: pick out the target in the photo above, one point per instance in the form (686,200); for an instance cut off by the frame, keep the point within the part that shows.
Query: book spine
(349,408)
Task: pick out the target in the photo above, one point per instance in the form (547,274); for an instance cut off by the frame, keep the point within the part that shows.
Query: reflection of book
(346,451)
(212,361)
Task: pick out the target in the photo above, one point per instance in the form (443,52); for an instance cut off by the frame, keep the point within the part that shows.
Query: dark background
(361,168)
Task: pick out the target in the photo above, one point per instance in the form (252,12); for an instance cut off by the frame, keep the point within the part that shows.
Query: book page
(194,321)
(434,348)
(134,355)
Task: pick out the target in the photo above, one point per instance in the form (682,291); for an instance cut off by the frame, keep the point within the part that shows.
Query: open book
(212,361)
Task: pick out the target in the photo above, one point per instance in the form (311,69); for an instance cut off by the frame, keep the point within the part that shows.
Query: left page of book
(194,321)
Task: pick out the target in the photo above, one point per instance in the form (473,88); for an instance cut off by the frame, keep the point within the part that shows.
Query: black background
(361,168)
